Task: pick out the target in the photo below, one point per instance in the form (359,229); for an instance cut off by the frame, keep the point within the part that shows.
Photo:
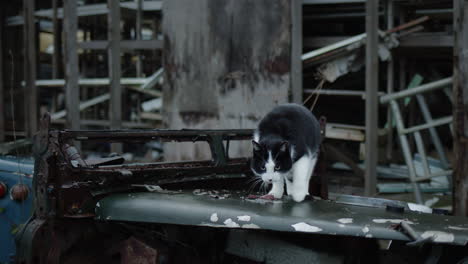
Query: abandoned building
(126,130)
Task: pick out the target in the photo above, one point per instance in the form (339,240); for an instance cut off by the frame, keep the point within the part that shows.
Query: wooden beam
(72,91)
(115,106)
(296,51)
(372,73)
(30,89)
(460,107)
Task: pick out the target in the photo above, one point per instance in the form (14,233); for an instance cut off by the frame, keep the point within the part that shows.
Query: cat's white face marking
(270,175)
(270,164)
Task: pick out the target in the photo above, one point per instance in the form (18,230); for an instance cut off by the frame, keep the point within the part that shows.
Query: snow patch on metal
(393,221)
(345,220)
(365,229)
(243,218)
(303,227)
(214,217)
(250,226)
(230,223)
(419,208)
(439,236)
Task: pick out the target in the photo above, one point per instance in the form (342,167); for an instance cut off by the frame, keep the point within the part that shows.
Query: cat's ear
(284,146)
(256,146)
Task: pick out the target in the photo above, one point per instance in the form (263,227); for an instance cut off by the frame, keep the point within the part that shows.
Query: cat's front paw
(276,195)
(267,197)
(298,197)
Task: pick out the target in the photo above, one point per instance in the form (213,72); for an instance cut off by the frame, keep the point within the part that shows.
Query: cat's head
(271,160)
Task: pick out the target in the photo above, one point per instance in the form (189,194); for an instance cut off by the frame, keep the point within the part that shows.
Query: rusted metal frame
(144,135)
(372,73)
(155,173)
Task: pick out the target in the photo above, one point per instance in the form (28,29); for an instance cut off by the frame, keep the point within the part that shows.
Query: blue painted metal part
(13,213)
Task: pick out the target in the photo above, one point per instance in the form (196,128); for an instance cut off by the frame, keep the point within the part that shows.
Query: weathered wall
(227,63)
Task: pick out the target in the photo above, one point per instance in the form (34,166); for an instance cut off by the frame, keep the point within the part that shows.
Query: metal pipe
(338,92)
(138,35)
(390,83)
(422,152)
(417,90)
(434,123)
(406,150)
(433,132)
(435,174)
(92,82)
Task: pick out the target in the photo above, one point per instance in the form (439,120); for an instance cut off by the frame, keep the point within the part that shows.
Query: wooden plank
(72,92)
(296,51)
(460,108)
(30,89)
(115,106)
(372,73)
(344,134)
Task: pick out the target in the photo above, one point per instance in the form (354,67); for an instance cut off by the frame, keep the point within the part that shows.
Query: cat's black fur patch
(292,124)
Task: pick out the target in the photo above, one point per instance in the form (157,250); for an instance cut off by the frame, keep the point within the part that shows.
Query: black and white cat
(285,150)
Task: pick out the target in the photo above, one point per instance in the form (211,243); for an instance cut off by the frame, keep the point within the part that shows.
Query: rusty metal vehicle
(109,211)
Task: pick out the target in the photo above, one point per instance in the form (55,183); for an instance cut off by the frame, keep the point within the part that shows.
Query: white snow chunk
(419,208)
(303,227)
(365,229)
(230,223)
(345,220)
(214,217)
(250,226)
(244,218)
(439,236)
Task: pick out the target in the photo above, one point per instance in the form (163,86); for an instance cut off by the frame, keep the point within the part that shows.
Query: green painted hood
(232,210)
